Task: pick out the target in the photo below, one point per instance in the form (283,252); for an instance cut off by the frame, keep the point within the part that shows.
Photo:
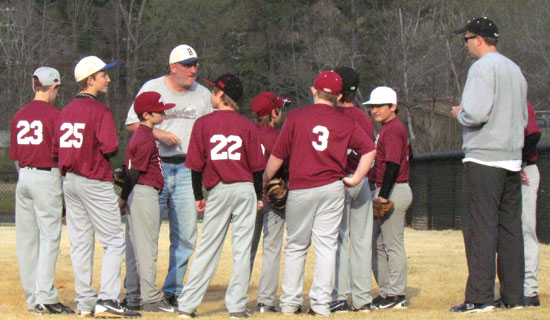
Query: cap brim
(460,31)
(210,82)
(108,66)
(188,60)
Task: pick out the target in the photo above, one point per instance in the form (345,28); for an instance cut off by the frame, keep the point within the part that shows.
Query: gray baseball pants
(354,255)
(226,203)
(389,260)
(272,222)
(529,192)
(131,279)
(312,215)
(144,219)
(92,208)
(38,210)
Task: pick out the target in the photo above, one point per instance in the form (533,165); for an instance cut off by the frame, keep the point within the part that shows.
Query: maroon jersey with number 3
(392,145)
(365,122)
(316,138)
(85,132)
(32,133)
(225,147)
(142,154)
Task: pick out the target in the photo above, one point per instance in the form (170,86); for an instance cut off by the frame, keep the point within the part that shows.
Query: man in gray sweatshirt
(493,112)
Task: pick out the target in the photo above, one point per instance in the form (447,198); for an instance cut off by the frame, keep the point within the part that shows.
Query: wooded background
(276,45)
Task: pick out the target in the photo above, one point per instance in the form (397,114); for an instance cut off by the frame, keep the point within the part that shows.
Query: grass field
(436,280)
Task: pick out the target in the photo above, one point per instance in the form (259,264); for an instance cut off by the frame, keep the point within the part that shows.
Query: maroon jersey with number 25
(225,147)
(316,138)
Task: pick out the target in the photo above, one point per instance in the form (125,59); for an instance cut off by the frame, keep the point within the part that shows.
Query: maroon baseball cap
(329,82)
(266,102)
(230,84)
(150,101)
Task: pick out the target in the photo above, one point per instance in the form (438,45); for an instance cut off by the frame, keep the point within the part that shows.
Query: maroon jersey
(32,133)
(316,139)
(532,127)
(85,132)
(268,136)
(365,122)
(142,154)
(392,144)
(225,147)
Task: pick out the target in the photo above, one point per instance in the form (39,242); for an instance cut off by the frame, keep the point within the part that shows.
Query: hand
(382,200)
(524,177)
(122,206)
(456,110)
(260,205)
(200,205)
(167,138)
(349,182)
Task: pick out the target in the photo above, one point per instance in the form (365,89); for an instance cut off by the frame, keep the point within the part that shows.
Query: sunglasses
(190,64)
(468,38)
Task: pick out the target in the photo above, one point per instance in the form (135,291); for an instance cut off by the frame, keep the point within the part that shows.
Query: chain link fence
(436,182)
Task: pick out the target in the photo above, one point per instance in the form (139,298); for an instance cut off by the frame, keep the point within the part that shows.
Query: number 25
(73,129)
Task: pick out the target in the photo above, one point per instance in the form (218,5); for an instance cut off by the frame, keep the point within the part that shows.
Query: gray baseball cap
(46,77)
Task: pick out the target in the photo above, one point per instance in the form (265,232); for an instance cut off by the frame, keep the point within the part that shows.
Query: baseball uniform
(353,258)
(224,146)
(389,257)
(315,139)
(38,201)
(85,133)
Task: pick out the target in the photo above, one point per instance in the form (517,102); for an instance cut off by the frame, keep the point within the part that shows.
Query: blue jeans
(182,216)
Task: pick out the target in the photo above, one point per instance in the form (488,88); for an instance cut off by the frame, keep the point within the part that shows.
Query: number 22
(222,140)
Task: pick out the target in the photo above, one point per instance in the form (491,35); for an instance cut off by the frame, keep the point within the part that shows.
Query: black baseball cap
(481,27)
(230,84)
(350,79)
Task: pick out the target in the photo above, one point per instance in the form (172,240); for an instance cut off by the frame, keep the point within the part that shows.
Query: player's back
(85,133)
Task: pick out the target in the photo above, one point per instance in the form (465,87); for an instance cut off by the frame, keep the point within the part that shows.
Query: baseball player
(38,202)
(144,179)
(267,108)
(315,139)
(390,175)
(353,258)
(224,154)
(85,139)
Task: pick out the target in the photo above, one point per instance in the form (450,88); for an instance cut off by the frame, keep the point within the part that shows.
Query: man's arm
(165,137)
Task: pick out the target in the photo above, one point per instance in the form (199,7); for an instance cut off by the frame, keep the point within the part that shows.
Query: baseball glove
(277,192)
(119,174)
(381,209)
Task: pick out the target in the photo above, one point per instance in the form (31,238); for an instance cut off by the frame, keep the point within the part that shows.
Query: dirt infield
(436,280)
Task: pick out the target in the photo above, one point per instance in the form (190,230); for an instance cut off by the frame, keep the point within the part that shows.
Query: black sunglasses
(190,64)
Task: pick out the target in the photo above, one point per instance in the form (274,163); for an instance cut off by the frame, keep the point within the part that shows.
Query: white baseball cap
(46,77)
(90,65)
(382,95)
(183,54)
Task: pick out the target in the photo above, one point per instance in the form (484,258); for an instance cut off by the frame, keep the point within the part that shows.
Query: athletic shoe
(112,309)
(263,308)
(125,304)
(54,308)
(500,304)
(183,314)
(239,315)
(339,306)
(391,302)
(531,301)
(159,306)
(365,308)
(86,314)
(376,301)
(468,307)
(172,300)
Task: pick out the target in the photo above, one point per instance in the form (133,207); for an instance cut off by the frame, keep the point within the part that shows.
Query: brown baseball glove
(381,209)
(119,174)
(277,192)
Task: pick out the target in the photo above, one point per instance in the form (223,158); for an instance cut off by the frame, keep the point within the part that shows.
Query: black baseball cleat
(365,308)
(112,309)
(391,302)
(468,307)
(531,301)
(159,306)
(263,308)
(172,300)
(54,308)
(239,315)
(339,306)
(500,304)
(125,304)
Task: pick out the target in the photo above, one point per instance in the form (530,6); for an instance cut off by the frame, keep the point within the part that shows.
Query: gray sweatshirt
(495,109)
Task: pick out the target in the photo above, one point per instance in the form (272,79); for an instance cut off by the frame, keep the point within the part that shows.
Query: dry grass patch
(436,280)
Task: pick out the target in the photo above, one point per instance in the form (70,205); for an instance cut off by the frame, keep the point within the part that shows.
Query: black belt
(43,169)
(174,159)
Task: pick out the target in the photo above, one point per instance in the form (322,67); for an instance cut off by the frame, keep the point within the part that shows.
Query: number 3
(73,129)
(215,153)
(322,142)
